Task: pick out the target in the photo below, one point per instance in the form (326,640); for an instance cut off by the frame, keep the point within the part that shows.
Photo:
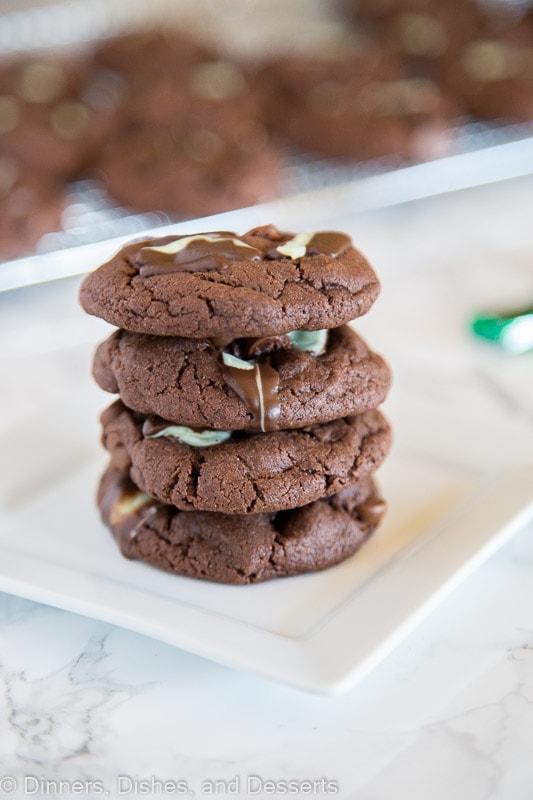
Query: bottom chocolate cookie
(238,549)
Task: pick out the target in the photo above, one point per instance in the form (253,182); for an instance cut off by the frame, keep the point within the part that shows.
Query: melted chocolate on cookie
(201,253)
(330,243)
(126,508)
(257,385)
(372,510)
(209,251)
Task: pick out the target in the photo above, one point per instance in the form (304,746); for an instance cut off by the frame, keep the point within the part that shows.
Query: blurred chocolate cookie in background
(29,209)
(190,169)
(54,113)
(493,71)
(361,106)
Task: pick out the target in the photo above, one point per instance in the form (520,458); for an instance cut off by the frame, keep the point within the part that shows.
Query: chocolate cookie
(493,72)
(183,380)
(220,284)
(237,549)
(54,113)
(192,167)
(144,56)
(478,53)
(338,110)
(29,208)
(214,92)
(420,29)
(245,473)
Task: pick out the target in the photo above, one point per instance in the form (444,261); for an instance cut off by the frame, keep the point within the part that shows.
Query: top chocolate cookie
(221,284)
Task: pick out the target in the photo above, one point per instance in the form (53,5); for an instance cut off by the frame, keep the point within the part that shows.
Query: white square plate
(319,632)
(457,411)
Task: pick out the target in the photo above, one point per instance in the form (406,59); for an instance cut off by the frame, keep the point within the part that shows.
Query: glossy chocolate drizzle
(258,384)
(329,243)
(125,523)
(201,253)
(258,387)
(216,250)
(371,510)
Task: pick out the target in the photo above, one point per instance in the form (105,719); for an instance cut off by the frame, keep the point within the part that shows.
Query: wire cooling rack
(477,152)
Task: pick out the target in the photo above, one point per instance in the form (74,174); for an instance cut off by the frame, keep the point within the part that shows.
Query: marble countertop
(448,714)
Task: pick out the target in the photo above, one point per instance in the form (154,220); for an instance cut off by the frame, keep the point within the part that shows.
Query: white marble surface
(448,714)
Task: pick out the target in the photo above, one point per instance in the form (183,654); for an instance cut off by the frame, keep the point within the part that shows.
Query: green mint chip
(309,341)
(237,363)
(193,438)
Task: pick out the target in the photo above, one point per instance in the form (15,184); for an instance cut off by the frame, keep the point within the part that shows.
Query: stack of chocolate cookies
(247,431)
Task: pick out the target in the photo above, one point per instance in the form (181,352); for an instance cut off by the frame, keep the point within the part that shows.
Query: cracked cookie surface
(248,473)
(182,380)
(272,294)
(236,549)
